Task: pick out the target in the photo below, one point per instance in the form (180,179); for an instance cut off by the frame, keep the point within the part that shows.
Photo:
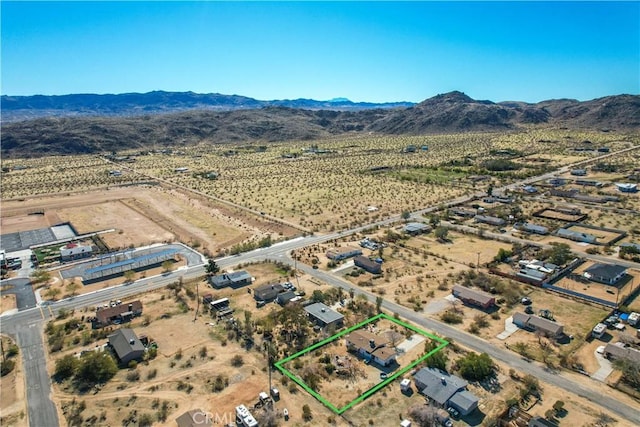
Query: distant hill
(17,108)
(445,113)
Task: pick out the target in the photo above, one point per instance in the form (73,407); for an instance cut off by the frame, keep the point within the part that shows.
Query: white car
(600,350)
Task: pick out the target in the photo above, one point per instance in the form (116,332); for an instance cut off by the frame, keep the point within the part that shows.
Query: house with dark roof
(621,352)
(463,212)
(118,314)
(324,316)
(126,345)
(578,172)
(415,228)
(473,296)
(541,422)
(235,279)
(371,347)
(194,418)
(546,327)
(609,274)
(368,265)
(268,292)
(445,390)
(285,297)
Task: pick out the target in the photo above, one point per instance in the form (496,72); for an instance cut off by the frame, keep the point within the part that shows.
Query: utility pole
(195,316)
(478,262)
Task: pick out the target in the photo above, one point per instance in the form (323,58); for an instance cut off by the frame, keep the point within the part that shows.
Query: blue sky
(365,51)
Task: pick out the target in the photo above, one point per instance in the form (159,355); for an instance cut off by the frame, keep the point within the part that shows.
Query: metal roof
(323,313)
(438,385)
(125,341)
(140,259)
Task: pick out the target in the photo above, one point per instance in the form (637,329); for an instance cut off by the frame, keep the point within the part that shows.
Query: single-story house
(528,227)
(323,316)
(627,188)
(473,297)
(491,220)
(415,228)
(589,182)
(126,345)
(619,351)
(463,212)
(609,274)
(235,279)
(120,313)
(534,264)
(284,297)
(635,246)
(529,189)
(339,255)
(576,236)
(498,199)
(557,182)
(445,390)
(530,275)
(578,172)
(268,292)
(74,251)
(371,347)
(538,324)
(368,265)
(194,418)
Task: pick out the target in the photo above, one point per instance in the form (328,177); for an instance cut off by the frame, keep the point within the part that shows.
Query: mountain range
(101,123)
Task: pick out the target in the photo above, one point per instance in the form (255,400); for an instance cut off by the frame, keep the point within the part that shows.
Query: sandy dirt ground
(13,410)
(7,302)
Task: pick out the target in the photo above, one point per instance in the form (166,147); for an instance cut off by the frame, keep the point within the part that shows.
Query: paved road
(26,325)
(23,291)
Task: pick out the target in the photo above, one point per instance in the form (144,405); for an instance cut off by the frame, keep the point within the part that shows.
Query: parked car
(528,310)
(453,411)
(526,301)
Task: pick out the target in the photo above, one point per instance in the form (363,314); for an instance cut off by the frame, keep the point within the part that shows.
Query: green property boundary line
(339,411)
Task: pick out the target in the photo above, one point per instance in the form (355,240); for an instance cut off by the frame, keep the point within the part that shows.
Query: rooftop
(124,341)
(323,313)
(439,385)
(605,271)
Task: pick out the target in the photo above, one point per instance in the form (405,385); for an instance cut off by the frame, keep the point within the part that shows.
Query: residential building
(627,188)
(126,346)
(445,390)
(324,316)
(498,199)
(194,418)
(235,279)
(371,347)
(528,227)
(491,220)
(73,251)
(285,297)
(541,422)
(621,351)
(368,264)
(589,183)
(529,189)
(117,314)
(268,292)
(578,172)
(609,274)
(557,182)
(473,297)
(635,246)
(576,236)
(415,228)
(529,275)
(538,324)
(341,254)
(463,212)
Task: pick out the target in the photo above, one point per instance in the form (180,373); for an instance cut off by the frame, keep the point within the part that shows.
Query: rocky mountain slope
(446,113)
